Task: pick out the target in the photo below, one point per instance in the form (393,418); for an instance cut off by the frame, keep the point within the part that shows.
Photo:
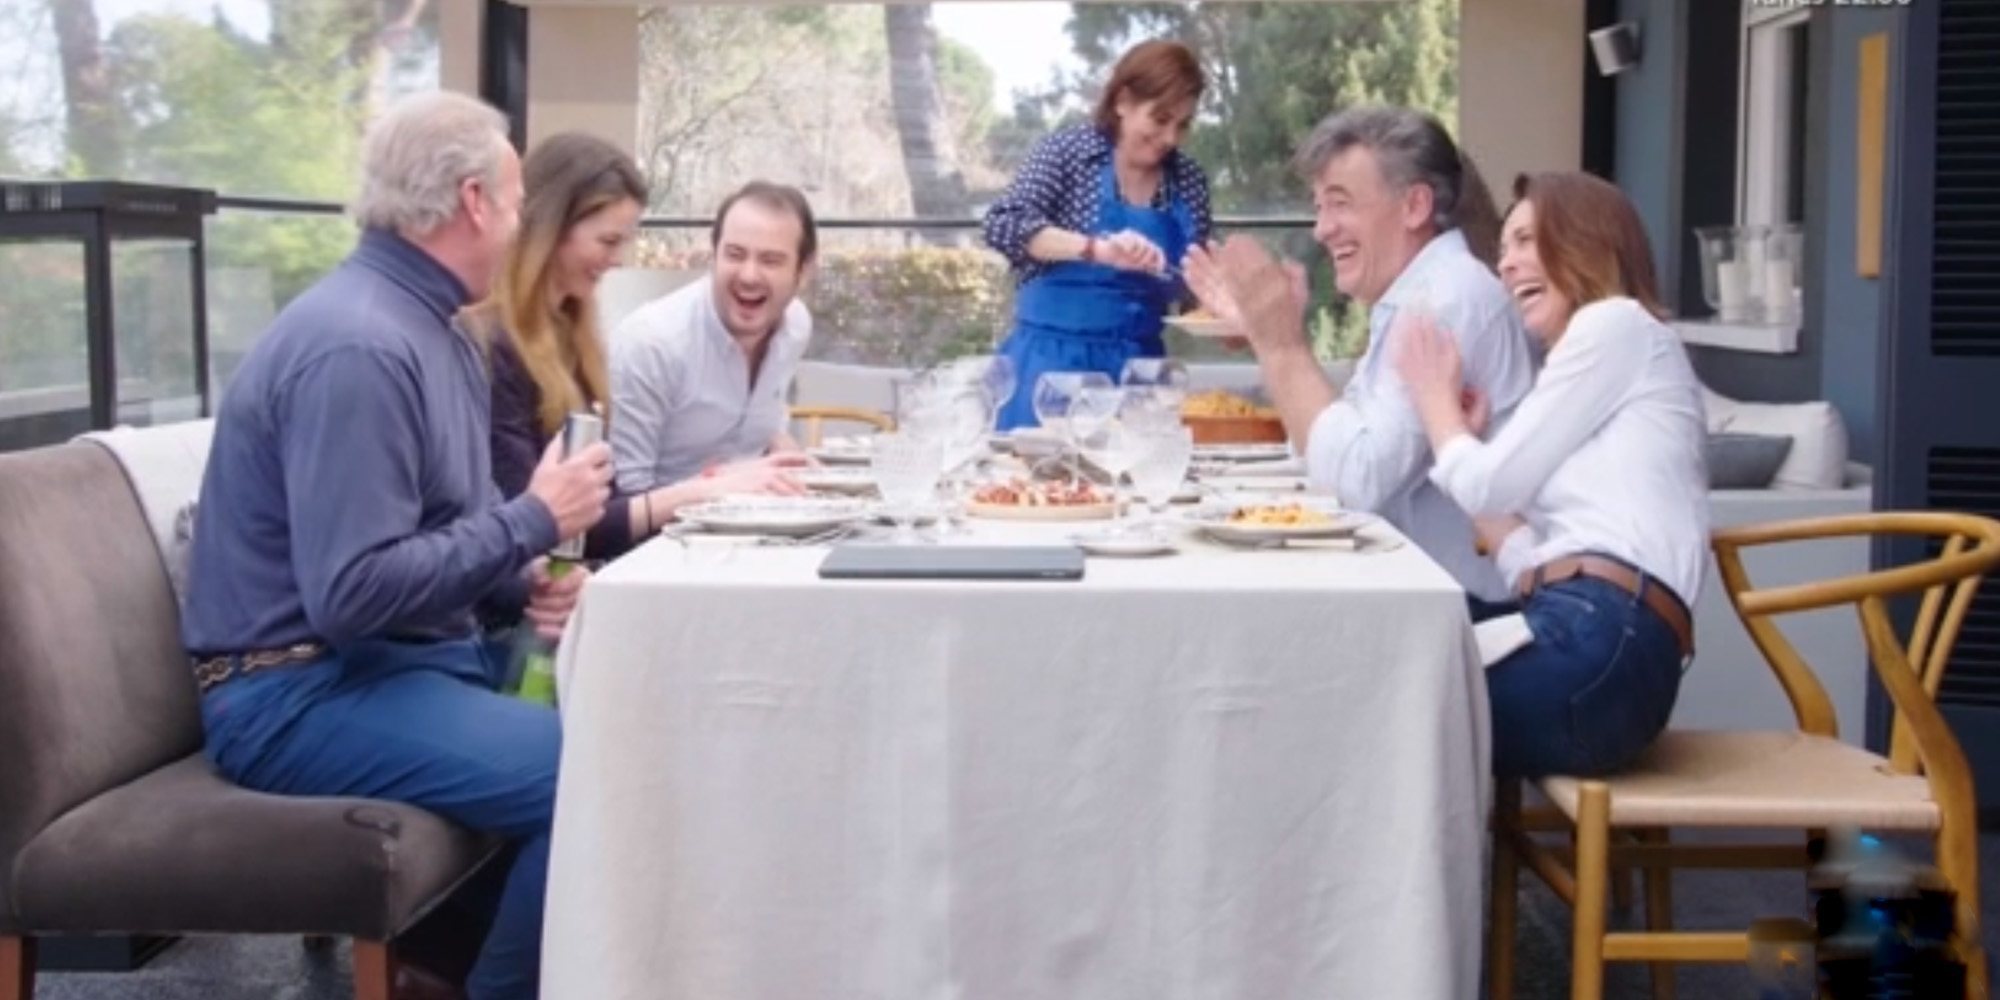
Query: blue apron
(1080,316)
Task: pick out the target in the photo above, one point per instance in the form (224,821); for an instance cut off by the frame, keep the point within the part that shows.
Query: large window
(885,114)
(243,97)
(1772,162)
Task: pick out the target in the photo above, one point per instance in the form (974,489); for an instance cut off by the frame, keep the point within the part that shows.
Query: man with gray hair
(1411,231)
(349,537)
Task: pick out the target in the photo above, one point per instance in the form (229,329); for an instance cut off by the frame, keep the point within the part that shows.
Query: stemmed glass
(1161,467)
(1055,398)
(1094,409)
(906,465)
(1166,378)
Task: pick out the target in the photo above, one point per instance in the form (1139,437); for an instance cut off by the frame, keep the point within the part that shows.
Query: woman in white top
(1593,498)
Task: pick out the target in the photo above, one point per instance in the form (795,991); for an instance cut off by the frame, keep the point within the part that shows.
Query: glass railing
(44,357)
(886,291)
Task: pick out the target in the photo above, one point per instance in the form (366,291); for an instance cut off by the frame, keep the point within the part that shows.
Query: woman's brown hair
(567,178)
(1589,238)
(1157,70)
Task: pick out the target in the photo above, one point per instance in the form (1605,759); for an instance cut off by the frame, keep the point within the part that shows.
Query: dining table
(1218,773)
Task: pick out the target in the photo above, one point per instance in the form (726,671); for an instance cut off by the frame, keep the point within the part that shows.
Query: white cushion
(164,465)
(1818,459)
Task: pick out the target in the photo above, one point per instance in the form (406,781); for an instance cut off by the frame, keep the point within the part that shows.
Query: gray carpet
(282,969)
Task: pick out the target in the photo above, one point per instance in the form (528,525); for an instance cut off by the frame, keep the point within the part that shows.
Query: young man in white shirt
(699,377)
(1394,199)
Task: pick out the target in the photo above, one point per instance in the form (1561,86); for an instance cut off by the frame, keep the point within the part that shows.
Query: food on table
(1288,515)
(1019,492)
(1223,403)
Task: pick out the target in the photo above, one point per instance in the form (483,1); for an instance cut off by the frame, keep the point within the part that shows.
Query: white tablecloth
(1223,774)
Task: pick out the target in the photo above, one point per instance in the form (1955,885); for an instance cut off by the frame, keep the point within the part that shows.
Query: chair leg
(1659,910)
(1506,901)
(1593,836)
(1958,862)
(17,967)
(374,970)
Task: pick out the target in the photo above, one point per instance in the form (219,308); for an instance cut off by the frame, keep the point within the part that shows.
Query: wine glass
(1000,380)
(1167,377)
(1161,467)
(906,467)
(1055,396)
(963,421)
(1114,448)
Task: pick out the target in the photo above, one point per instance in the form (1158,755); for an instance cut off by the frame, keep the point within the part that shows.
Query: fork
(819,538)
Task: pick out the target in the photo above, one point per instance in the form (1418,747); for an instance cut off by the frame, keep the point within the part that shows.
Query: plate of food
(1041,500)
(1243,452)
(852,450)
(1221,417)
(844,479)
(1267,523)
(1202,323)
(759,515)
(1125,544)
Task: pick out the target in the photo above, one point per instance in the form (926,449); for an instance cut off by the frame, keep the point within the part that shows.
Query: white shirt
(1604,455)
(681,393)
(1370,448)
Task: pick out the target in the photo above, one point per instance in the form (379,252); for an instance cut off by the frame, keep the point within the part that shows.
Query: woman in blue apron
(1096,215)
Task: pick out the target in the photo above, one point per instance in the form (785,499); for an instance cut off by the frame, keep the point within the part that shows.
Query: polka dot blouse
(1057,186)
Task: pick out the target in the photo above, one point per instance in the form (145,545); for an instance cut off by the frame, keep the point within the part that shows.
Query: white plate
(1046,512)
(844,451)
(1033,442)
(1125,545)
(791,516)
(838,479)
(1202,326)
(1215,521)
(1273,451)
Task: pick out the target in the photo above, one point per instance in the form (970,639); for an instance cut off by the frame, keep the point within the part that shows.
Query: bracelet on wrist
(1090,248)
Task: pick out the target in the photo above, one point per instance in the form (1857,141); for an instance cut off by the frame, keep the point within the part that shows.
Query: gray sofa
(111,821)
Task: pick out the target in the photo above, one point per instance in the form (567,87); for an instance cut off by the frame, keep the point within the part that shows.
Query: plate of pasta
(1219,417)
(1265,523)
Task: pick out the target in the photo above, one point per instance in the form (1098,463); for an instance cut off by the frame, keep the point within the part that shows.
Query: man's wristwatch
(1090,248)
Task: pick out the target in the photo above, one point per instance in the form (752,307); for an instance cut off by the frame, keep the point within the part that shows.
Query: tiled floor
(283,969)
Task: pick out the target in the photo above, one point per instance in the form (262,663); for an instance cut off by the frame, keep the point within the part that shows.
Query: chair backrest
(624,289)
(94,686)
(1968,547)
(811,421)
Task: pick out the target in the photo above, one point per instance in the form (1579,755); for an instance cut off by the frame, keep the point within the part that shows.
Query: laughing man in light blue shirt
(1409,226)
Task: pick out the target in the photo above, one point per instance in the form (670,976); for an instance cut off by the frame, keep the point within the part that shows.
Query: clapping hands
(1256,295)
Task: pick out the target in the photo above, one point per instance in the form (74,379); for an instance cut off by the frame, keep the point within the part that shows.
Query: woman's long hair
(567,178)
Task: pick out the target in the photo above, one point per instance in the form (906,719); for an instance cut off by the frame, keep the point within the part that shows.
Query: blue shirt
(349,491)
(1057,186)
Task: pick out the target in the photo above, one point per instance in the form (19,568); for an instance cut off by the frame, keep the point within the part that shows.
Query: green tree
(1275,69)
(212,108)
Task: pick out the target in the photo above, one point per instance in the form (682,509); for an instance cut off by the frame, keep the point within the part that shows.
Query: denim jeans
(1591,691)
(417,723)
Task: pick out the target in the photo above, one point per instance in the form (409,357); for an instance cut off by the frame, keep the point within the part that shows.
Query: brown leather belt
(214,670)
(1648,589)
